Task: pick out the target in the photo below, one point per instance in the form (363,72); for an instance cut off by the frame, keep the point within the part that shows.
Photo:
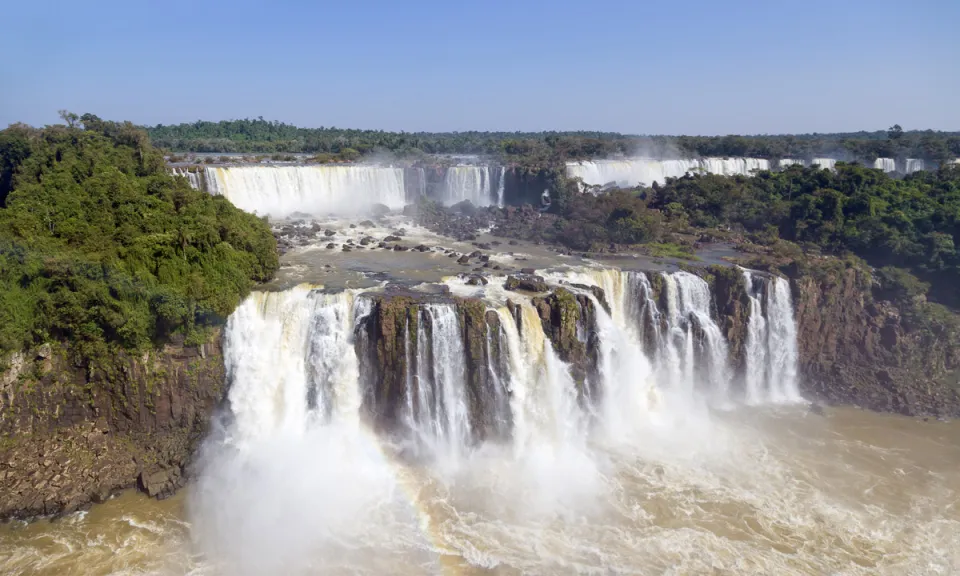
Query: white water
(193,177)
(637,483)
(467,183)
(771,344)
(828,163)
(444,374)
(885,164)
(278,191)
(786,162)
(500,186)
(914,165)
(646,171)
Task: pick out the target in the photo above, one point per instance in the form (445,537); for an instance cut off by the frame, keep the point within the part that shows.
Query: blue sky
(653,67)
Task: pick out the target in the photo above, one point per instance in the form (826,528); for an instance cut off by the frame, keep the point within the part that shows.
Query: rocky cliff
(72,435)
(856,348)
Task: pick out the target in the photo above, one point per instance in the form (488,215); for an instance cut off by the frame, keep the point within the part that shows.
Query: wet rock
(526,283)
(379,209)
(513,243)
(484,258)
(463,259)
(347,248)
(366,240)
(367,224)
(353,225)
(331,246)
(422,248)
(400,248)
(329,233)
(476,280)
(392,238)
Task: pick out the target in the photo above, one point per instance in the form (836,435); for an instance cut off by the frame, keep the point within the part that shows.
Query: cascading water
(647,171)
(278,191)
(501,183)
(467,183)
(770,362)
(784,163)
(826,163)
(443,375)
(914,165)
(885,164)
(195,178)
(695,348)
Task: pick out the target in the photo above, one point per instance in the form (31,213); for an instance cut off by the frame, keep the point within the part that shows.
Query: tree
(895,132)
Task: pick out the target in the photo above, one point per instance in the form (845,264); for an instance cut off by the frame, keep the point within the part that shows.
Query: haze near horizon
(646,68)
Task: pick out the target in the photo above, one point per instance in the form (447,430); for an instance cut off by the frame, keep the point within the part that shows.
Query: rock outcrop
(569,321)
(856,349)
(70,436)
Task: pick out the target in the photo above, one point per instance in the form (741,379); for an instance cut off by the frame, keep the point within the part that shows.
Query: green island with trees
(101,247)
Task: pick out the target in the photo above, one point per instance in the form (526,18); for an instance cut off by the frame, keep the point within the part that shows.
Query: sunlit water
(750,491)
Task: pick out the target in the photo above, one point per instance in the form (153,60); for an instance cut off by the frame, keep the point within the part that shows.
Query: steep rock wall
(857,350)
(70,435)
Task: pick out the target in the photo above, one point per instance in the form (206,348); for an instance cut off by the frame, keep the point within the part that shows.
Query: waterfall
(467,183)
(290,362)
(784,163)
(914,165)
(501,183)
(826,163)
(771,344)
(885,164)
(195,178)
(451,420)
(543,394)
(695,348)
(645,171)
(278,191)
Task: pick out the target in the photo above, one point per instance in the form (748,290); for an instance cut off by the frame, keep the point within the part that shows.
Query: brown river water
(760,491)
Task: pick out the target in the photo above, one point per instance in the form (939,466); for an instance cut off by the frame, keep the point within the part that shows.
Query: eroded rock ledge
(70,436)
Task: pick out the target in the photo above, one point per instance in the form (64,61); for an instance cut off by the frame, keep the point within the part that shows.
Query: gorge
(389,398)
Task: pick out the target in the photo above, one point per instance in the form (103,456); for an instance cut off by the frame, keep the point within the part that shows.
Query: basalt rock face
(733,309)
(569,321)
(70,436)
(399,344)
(855,349)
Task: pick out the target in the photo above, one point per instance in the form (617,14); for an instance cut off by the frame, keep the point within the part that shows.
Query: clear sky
(651,67)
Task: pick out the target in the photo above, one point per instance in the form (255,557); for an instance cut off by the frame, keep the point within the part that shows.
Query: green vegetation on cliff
(100,246)
(911,223)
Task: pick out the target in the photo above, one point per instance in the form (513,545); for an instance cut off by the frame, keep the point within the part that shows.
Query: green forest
(908,228)
(264,136)
(101,247)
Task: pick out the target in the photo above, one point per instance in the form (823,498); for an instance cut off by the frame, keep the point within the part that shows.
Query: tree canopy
(101,246)
(264,136)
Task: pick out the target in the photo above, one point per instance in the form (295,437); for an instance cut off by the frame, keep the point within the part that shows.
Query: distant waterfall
(643,171)
(195,178)
(501,183)
(467,183)
(278,191)
(784,163)
(885,164)
(826,163)
(771,345)
(914,165)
